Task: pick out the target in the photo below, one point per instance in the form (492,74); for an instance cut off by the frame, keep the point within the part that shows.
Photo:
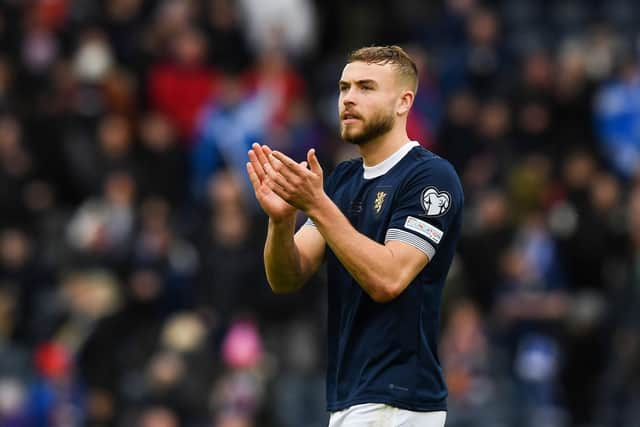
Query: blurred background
(132,291)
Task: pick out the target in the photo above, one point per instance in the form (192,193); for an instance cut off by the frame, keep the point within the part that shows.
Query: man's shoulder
(425,161)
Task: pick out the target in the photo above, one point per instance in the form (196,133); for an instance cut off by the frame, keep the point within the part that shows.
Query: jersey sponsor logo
(435,202)
(377,204)
(427,230)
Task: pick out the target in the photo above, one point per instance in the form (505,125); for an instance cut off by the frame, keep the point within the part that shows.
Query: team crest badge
(377,205)
(435,202)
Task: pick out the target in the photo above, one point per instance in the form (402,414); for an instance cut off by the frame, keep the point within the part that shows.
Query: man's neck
(376,150)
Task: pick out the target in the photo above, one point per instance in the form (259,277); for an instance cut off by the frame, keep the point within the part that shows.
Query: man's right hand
(273,205)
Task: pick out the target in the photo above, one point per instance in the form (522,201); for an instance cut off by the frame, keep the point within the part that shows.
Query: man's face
(367,103)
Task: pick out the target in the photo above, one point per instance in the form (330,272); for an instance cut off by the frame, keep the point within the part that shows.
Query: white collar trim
(385,166)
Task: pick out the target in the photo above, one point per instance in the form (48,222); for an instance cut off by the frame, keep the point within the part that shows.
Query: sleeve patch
(429,231)
(435,202)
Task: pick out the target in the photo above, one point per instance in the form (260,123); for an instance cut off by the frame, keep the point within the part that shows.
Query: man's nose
(348,97)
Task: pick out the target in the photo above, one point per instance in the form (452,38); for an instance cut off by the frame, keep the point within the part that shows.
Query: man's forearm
(281,257)
(369,262)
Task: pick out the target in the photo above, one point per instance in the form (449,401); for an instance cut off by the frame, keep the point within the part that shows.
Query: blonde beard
(376,126)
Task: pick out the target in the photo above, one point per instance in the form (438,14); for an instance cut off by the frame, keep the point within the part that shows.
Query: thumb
(314,164)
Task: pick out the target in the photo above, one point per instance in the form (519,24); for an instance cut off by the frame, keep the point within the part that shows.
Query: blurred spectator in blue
(530,304)
(56,398)
(449,31)
(226,131)
(617,114)
(481,61)
(158,246)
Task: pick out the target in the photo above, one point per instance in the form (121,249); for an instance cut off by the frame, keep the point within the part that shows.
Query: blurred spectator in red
(424,117)
(180,86)
(274,74)
(55,398)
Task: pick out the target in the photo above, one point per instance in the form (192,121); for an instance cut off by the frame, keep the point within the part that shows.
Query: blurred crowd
(132,291)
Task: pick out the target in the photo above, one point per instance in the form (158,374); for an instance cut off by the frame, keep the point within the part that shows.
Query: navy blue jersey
(387,352)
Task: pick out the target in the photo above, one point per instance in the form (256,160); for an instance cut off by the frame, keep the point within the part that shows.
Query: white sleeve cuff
(411,239)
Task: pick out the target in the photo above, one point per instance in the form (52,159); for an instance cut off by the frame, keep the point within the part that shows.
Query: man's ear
(405,102)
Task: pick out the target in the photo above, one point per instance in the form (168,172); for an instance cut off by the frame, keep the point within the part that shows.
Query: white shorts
(380,415)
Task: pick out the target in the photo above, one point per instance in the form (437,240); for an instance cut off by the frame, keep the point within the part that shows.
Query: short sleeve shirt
(387,352)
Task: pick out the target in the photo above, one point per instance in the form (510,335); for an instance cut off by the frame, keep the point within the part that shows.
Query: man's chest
(368,204)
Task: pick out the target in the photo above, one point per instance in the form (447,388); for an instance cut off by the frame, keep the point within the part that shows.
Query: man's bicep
(408,260)
(427,210)
(311,246)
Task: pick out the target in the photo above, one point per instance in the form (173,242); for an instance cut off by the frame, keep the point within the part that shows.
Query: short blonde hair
(382,55)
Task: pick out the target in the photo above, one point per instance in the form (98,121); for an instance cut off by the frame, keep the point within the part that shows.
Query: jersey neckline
(371,172)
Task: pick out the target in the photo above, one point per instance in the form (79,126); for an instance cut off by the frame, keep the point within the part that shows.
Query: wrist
(322,207)
(284,221)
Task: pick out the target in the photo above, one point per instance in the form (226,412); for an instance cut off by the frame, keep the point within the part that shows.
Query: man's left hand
(300,186)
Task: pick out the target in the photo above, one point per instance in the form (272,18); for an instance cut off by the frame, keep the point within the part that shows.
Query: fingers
(253,176)
(286,160)
(259,155)
(300,168)
(314,164)
(254,157)
(277,178)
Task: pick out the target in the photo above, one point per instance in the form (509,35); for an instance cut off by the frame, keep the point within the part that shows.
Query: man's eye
(367,88)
